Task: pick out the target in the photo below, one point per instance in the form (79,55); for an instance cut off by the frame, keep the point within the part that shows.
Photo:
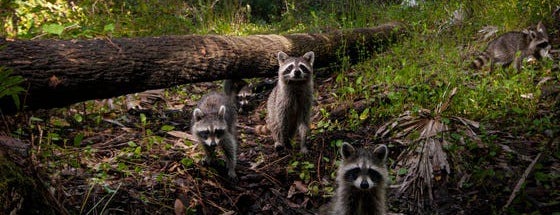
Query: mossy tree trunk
(62,72)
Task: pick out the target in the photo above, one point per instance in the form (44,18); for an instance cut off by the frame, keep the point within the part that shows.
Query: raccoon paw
(233,178)
(207,161)
(279,147)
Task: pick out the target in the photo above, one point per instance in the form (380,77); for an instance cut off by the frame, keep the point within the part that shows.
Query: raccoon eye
(203,134)
(289,69)
(304,69)
(352,174)
(219,132)
(542,45)
(374,175)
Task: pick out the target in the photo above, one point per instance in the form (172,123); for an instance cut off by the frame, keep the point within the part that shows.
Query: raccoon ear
(347,150)
(282,57)
(309,57)
(381,152)
(222,112)
(197,114)
(540,27)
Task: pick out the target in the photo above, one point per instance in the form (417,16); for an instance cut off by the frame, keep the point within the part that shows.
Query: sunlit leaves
(109,27)
(166,128)
(53,29)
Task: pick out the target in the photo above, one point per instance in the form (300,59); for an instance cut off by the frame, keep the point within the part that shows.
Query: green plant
(10,86)
(41,16)
(303,168)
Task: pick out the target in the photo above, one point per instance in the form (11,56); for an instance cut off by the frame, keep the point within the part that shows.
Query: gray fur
(216,111)
(513,47)
(289,103)
(244,96)
(240,91)
(355,196)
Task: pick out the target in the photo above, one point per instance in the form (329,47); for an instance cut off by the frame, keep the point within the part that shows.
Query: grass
(414,74)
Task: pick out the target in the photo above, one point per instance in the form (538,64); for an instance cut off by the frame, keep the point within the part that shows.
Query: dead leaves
(425,133)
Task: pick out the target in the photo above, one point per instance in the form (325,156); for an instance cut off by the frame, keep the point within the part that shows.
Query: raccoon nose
(364,184)
(297,73)
(213,143)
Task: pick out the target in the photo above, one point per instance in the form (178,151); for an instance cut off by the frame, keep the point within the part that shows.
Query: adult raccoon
(289,103)
(513,47)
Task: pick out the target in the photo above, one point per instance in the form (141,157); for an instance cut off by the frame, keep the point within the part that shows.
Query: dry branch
(521,181)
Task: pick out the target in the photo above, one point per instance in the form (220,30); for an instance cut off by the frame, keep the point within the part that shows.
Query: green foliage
(304,169)
(10,85)
(33,17)
(167,128)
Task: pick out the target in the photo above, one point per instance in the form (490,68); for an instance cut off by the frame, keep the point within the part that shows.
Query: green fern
(10,85)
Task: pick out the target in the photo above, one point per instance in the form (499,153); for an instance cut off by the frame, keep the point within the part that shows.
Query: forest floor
(142,160)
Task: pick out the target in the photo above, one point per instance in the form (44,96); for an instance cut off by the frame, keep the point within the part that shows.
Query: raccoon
(244,97)
(214,124)
(289,103)
(514,47)
(362,179)
(543,46)
(240,91)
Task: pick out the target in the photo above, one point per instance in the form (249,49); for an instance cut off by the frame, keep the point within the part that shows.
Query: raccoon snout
(297,74)
(364,185)
(211,142)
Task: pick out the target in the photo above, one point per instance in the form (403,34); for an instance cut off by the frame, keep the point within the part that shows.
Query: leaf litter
(126,166)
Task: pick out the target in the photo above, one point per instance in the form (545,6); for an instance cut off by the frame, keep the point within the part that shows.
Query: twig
(108,201)
(270,178)
(319,159)
(85,200)
(5,121)
(273,162)
(521,181)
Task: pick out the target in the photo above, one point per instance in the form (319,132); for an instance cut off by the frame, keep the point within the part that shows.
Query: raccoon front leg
(492,62)
(230,151)
(280,134)
(209,155)
(517,63)
(303,131)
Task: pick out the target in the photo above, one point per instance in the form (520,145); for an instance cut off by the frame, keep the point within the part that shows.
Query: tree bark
(62,72)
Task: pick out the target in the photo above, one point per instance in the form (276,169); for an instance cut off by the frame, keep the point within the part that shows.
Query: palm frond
(425,158)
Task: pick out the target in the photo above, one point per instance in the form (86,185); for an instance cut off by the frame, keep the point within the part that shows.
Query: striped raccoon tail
(480,61)
(262,129)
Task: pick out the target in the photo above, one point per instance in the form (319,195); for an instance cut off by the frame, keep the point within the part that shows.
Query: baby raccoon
(240,91)
(289,103)
(514,47)
(214,124)
(361,179)
(244,97)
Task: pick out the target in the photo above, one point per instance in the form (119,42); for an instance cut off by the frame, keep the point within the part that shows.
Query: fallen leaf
(179,207)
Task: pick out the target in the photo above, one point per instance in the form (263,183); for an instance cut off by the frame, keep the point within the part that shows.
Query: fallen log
(62,72)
